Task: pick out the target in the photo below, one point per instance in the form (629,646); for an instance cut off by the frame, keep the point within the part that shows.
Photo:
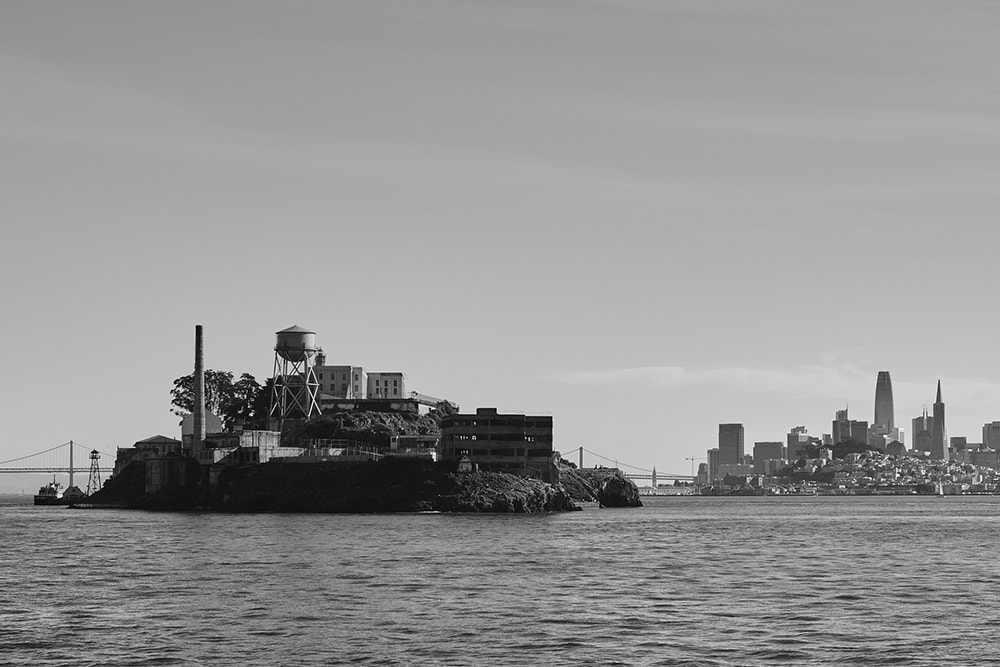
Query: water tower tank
(295,343)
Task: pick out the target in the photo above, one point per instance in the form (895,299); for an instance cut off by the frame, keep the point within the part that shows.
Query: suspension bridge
(58,459)
(630,471)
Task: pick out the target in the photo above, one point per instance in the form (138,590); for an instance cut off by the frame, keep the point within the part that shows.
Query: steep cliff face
(608,486)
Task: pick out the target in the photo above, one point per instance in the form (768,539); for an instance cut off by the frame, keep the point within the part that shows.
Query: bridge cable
(28,456)
(617,462)
(88,447)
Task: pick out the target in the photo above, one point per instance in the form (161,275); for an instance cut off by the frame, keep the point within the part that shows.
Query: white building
(386,385)
(342,381)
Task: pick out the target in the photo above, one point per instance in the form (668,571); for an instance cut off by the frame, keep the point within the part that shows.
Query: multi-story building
(353,382)
(796,439)
(764,452)
(939,435)
(514,443)
(734,470)
(713,465)
(883,402)
(730,444)
(702,477)
(845,429)
(342,381)
(991,435)
(985,457)
(386,385)
(152,447)
(923,426)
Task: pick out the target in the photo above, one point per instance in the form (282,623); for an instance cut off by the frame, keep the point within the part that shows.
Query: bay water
(681,581)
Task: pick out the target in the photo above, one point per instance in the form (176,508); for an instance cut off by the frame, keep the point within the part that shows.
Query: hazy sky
(642,218)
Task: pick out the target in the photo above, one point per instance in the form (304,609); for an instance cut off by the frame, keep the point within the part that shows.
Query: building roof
(158,439)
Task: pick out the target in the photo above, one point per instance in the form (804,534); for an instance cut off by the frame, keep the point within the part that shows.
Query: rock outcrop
(501,492)
(608,486)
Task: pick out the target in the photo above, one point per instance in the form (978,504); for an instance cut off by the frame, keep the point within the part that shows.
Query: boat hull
(45,500)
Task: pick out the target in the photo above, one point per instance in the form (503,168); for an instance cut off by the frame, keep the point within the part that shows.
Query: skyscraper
(939,436)
(991,435)
(923,427)
(713,465)
(883,402)
(845,429)
(796,439)
(730,444)
(765,452)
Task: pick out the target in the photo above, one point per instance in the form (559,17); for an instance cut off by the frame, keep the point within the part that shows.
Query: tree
(234,402)
(242,406)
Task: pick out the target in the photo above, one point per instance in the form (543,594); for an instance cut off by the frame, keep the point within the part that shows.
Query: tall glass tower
(883,402)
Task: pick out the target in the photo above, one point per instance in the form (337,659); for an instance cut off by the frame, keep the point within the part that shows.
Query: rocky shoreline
(607,486)
(389,485)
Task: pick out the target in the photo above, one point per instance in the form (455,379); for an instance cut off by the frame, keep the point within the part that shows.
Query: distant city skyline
(929,439)
(643,219)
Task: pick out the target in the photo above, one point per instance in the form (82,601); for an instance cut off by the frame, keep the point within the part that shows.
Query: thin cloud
(835,381)
(814,381)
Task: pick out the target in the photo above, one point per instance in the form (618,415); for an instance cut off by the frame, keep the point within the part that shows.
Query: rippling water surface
(683,581)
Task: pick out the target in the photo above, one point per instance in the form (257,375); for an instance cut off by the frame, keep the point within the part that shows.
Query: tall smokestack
(198,436)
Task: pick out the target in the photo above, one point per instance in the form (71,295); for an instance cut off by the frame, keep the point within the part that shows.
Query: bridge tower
(94,483)
(296,389)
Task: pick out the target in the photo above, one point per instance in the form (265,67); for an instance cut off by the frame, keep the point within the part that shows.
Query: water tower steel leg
(94,483)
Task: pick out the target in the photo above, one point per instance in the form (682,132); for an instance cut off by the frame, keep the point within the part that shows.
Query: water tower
(296,389)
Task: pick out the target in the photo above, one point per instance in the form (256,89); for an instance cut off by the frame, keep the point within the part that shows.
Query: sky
(643,218)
